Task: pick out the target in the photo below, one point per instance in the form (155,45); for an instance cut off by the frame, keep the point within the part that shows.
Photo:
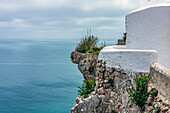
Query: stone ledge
(161,69)
(161,81)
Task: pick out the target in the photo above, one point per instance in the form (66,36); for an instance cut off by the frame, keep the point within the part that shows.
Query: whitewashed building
(148,39)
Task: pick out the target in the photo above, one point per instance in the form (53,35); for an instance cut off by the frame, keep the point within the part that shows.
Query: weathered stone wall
(114,95)
(110,91)
(161,82)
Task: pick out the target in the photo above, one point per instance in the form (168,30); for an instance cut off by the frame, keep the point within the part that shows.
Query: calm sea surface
(37,76)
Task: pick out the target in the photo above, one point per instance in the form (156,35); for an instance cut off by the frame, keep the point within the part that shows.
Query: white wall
(150,29)
(130,60)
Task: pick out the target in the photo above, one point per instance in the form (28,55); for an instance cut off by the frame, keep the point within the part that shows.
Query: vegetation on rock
(140,94)
(86,44)
(155,110)
(95,50)
(87,88)
(113,111)
(111,82)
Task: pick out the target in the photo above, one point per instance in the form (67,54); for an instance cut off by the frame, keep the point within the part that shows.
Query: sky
(63,19)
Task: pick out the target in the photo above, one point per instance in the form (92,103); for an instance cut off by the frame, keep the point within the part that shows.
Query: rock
(104,106)
(97,83)
(105,86)
(74,109)
(101,97)
(78,100)
(98,65)
(165,109)
(97,73)
(112,76)
(100,91)
(107,74)
(105,81)
(101,69)
(107,94)
(109,69)
(94,101)
(97,78)
(150,108)
(117,74)
(100,75)
(118,69)
(134,111)
(150,99)
(86,73)
(112,94)
(82,67)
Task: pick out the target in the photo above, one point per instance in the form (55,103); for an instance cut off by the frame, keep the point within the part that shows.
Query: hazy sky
(64,18)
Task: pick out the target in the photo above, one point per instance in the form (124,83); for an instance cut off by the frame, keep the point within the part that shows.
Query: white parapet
(130,60)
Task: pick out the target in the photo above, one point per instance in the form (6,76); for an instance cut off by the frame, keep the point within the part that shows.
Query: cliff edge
(111,97)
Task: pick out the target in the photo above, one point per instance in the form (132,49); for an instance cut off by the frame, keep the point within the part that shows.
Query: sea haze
(37,76)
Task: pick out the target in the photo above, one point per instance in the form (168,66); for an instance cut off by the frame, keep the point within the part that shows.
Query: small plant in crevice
(155,110)
(154,92)
(113,111)
(84,61)
(91,69)
(87,88)
(111,82)
(139,94)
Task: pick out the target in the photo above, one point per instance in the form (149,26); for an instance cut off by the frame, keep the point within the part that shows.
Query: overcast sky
(64,18)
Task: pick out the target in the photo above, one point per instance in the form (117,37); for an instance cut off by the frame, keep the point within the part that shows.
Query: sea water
(37,76)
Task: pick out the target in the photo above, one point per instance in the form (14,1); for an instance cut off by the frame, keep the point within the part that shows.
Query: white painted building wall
(148,39)
(130,60)
(149,28)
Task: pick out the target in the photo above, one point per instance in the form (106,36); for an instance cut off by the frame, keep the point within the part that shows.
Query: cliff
(109,96)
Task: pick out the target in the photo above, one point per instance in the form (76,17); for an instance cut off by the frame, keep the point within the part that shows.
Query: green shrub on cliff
(87,88)
(90,51)
(86,44)
(95,50)
(140,94)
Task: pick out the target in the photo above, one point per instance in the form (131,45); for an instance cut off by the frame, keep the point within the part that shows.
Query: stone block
(101,75)
(106,86)
(101,91)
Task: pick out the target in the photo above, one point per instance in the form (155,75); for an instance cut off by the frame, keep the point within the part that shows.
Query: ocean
(37,76)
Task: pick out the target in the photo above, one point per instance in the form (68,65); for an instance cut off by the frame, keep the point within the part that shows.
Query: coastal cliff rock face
(86,64)
(110,91)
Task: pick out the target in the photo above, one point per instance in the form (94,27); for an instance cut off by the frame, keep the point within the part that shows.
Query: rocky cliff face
(110,91)
(86,64)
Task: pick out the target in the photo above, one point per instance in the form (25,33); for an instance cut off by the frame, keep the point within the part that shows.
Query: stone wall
(161,82)
(110,91)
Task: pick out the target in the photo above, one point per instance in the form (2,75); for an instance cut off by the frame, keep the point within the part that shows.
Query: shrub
(95,50)
(111,82)
(155,110)
(140,94)
(90,51)
(87,88)
(113,111)
(91,69)
(86,44)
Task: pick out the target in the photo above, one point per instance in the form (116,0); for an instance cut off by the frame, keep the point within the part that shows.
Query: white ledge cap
(130,60)
(153,3)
